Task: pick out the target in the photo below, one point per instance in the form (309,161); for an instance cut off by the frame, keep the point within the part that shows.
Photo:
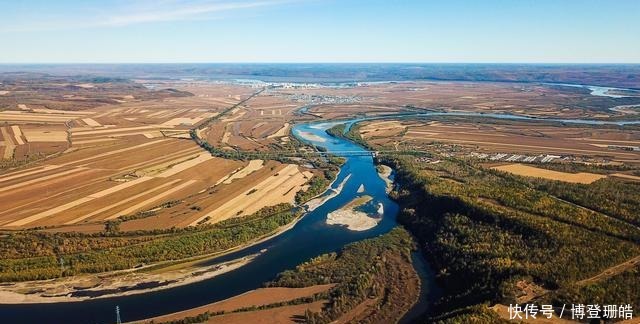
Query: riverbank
(151,278)
(81,288)
(310,238)
(384,171)
(320,199)
(255,298)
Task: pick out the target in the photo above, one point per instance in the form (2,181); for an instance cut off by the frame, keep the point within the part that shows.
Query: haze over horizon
(297,31)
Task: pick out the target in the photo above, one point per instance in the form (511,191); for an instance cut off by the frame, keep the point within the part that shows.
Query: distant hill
(611,75)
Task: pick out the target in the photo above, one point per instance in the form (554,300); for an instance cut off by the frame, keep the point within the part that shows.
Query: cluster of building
(324,99)
(424,159)
(624,148)
(505,157)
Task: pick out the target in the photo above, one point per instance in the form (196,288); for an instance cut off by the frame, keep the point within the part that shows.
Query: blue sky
(581,31)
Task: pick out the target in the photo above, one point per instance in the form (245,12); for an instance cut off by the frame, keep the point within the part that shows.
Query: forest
(36,255)
(500,231)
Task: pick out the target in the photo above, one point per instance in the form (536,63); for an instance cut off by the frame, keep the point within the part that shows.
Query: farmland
(132,154)
(529,171)
(508,141)
(123,162)
(125,187)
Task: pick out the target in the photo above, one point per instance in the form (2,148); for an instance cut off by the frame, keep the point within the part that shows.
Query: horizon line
(321,62)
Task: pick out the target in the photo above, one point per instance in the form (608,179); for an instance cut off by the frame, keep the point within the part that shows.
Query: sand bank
(351,218)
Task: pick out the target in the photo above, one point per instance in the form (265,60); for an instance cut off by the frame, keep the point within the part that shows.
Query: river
(310,237)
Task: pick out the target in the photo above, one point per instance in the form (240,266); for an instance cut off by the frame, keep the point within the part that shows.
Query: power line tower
(118,321)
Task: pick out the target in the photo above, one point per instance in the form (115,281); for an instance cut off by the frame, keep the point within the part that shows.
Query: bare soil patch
(529,171)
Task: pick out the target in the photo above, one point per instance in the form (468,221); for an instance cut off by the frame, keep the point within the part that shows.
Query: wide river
(310,237)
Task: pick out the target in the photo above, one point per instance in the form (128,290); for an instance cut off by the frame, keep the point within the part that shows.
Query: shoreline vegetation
(131,281)
(372,280)
(143,261)
(145,278)
(499,228)
(385,171)
(159,276)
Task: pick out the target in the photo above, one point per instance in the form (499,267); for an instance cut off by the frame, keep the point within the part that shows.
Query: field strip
(182,120)
(62,112)
(8,145)
(254,165)
(284,131)
(91,122)
(529,171)
(33,117)
(155,169)
(265,191)
(274,107)
(157,113)
(51,176)
(49,212)
(17,134)
(258,297)
(20,174)
(626,176)
(97,140)
(258,125)
(553,148)
(76,202)
(121,202)
(446,126)
(115,152)
(7,137)
(115,130)
(171,114)
(119,187)
(234,117)
(164,158)
(463,133)
(33,135)
(226,135)
(151,200)
(224,101)
(377,129)
(376,124)
(420,133)
(42,200)
(107,112)
(185,165)
(8,152)
(142,132)
(603,140)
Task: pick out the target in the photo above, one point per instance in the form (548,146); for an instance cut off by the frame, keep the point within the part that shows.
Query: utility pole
(118,321)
